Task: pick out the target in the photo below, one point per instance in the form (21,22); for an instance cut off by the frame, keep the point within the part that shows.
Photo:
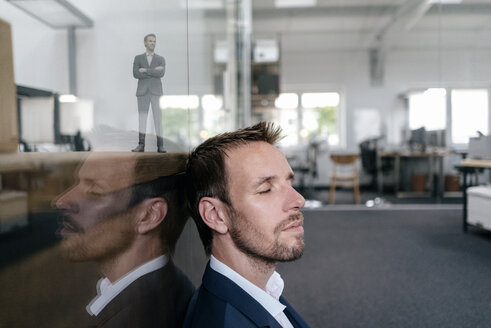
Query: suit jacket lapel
(144,60)
(230,292)
(153,62)
(293,316)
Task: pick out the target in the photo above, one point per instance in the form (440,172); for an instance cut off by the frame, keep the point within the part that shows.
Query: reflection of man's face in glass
(96,220)
(150,43)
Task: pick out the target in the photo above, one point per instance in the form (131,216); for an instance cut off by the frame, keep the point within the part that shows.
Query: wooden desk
(431,157)
(469,166)
(15,162)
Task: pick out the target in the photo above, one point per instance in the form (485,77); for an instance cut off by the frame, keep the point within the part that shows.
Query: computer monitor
(37,120)
(436,138)
(417,139)
(268,84)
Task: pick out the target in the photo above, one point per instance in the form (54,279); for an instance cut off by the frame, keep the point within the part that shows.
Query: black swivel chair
(308,167)
(368,153)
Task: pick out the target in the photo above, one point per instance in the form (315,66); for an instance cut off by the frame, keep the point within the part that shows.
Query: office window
(180,115)
(469,114)
(320,117)
(286,108)
(428,109)
(286,101)
(76,116)
(288,120)
(213,117)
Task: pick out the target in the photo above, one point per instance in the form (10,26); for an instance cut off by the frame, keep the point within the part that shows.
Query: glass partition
(92,90)
(109,97)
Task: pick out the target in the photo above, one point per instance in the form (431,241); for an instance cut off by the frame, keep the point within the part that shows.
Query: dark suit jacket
(157,299)
(219,302)
(149,82)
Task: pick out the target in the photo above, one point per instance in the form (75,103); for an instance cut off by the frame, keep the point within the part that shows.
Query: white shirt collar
(269,299)
(107,291)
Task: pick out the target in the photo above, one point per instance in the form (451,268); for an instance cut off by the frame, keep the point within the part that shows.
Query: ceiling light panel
(54,13)
(294,3)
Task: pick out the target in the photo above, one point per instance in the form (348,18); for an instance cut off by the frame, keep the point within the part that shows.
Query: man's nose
(64,200)
(295,199)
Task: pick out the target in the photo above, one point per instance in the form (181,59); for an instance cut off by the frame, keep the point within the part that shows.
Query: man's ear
(150,213)
(214,214)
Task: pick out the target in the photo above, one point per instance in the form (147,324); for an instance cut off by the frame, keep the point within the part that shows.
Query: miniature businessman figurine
(149,68)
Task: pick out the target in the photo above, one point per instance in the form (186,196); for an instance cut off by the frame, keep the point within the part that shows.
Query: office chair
(369,152)
(308,167)
(344,173)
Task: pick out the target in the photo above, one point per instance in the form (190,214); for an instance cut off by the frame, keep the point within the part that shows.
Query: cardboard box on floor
(8,106)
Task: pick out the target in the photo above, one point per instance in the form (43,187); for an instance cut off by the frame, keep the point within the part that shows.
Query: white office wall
(105,59)
(310,60)
(40,53)
(106,51)
(322,69)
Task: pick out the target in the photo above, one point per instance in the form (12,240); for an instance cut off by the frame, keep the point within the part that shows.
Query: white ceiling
(348,23)
(372,14)
(379,23)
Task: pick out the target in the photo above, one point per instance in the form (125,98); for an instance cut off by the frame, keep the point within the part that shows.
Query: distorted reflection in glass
(125,213)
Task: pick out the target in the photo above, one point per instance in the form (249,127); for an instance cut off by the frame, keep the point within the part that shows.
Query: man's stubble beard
(103,241)
(241,231)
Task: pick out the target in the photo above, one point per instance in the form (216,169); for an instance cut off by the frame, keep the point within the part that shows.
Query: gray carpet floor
(411,267)
(391,268)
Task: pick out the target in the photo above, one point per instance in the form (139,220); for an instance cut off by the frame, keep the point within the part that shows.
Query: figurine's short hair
(148,35)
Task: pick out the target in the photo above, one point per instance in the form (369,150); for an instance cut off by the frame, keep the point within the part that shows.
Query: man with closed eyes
(248,216)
